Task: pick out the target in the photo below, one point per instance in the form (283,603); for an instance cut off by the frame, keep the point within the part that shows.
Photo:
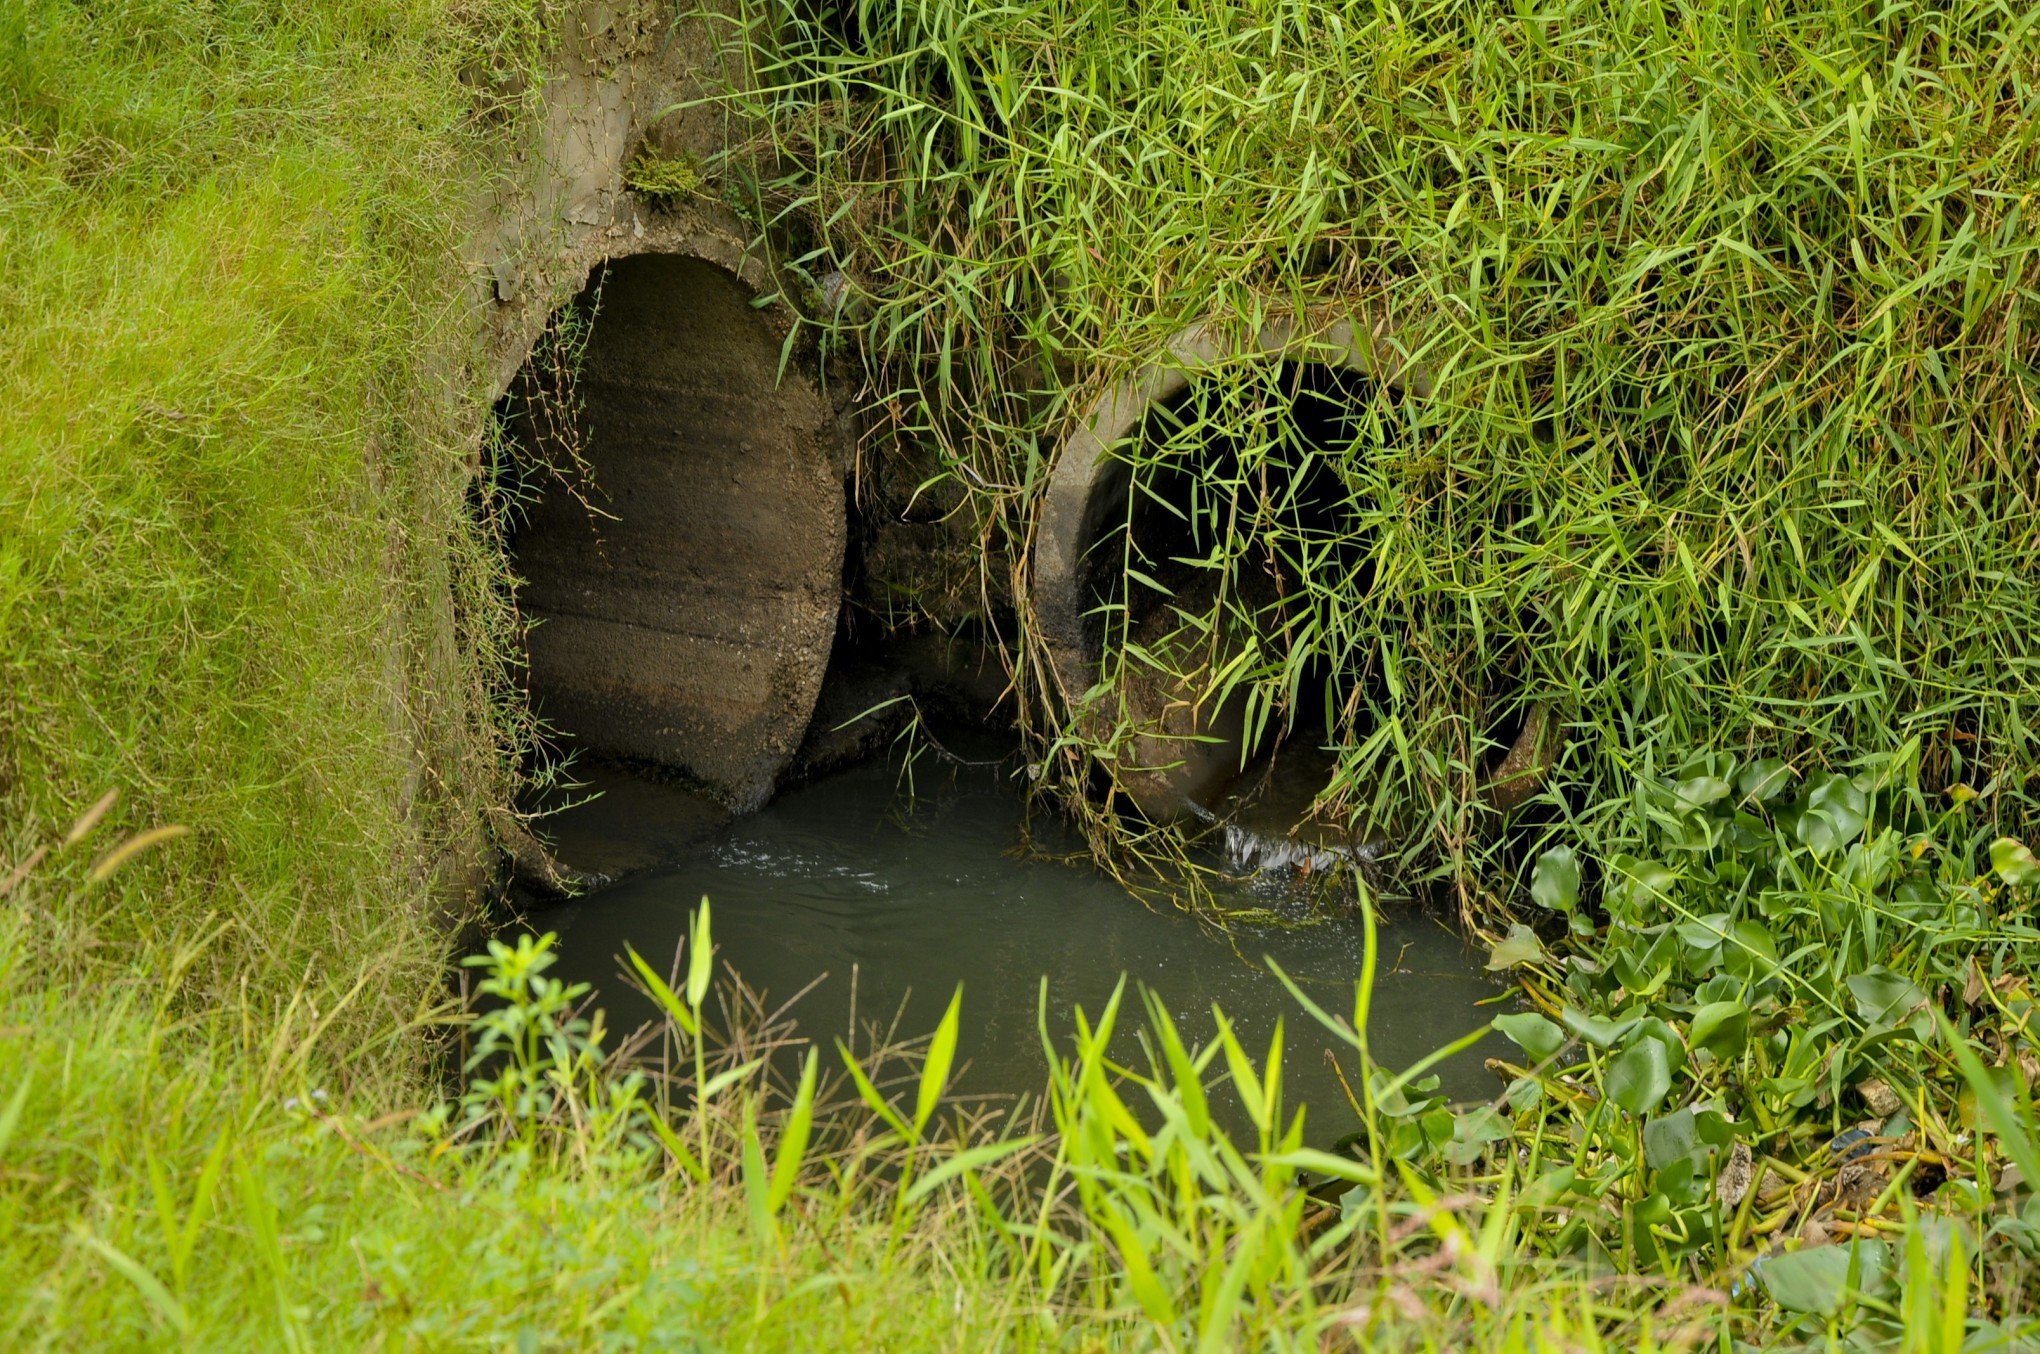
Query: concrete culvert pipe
(1187,749)
(683,564)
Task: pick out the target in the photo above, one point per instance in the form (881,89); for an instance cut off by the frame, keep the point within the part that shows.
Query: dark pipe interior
(1179,505)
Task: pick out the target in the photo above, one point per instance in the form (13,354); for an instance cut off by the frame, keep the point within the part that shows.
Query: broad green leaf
(1661,1030)
(1472,1132)
(1700,791)
(1835,816)
(1883,997)
(1642,969)
(1556,1186)
(1520,947)
(1684,1181)
(1669,1138)
(1823,834)
(1715,1129)
(1707,933)
(1720,1027)
(1640,1076)
(1818,1279)
(1637,888)
(1532,1033)
(1397,1098)
(1596,1031)
(1556,882)
(1837,792)
(2014,864)
(1764,780)
(1750,952)
(1653,1210)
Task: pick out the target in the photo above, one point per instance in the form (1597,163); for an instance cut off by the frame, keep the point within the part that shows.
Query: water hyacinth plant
(1797,1020)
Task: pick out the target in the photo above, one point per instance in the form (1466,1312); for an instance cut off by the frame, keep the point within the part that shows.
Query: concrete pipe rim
(1342,338)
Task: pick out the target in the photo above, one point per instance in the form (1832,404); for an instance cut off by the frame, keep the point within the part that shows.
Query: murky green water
(916,895)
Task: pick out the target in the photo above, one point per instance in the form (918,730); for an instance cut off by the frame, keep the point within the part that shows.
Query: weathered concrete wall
(687,620)
(684,613)
(627,80)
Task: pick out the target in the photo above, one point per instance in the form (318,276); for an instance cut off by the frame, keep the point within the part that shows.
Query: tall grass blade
(148,1285)
(941,1054)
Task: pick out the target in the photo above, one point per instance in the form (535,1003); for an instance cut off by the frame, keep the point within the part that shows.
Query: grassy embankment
(232,473)
(231,516)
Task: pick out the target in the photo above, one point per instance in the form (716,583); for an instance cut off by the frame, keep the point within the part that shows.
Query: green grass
(259,1209)
(231,474)
(1728,314)
(560,1198)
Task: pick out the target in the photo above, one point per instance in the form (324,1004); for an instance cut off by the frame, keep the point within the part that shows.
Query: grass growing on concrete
(1728,320)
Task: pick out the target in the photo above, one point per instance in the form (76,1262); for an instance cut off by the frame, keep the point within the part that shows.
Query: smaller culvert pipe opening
(1231,491)
(1198,535)
(681,548)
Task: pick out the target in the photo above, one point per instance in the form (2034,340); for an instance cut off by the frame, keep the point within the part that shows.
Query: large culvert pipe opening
(1186,521)
(682,550)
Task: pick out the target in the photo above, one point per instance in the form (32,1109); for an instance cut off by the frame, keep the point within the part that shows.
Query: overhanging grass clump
(1731,424)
